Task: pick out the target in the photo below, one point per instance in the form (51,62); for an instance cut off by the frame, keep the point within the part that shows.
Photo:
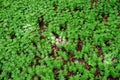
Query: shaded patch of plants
(63,49)
(119,13)
(107,43)
(118,26)
(37,58)
(55,49)
(105,17)
(55,34)
(18,52)
(63,27)
(77,9)
(42,37)
(56,73)
(12,35)
(9,75)
(92,2)
(69,74)
(100,54)
(32,64)
(110,77)
(20,69)
(1,71)
(55,7)
(34,44)
(64,61)
(81,60)
(36,77)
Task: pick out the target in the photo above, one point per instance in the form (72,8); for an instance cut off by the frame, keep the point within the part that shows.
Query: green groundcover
(59,39)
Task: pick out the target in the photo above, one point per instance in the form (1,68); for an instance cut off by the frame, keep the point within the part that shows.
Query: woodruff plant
(59,40)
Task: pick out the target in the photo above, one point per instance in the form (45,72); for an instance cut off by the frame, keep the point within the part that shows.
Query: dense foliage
(59,39)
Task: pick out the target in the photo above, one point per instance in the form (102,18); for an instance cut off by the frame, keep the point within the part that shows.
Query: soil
(97,73)
(41,24)
(79,46)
